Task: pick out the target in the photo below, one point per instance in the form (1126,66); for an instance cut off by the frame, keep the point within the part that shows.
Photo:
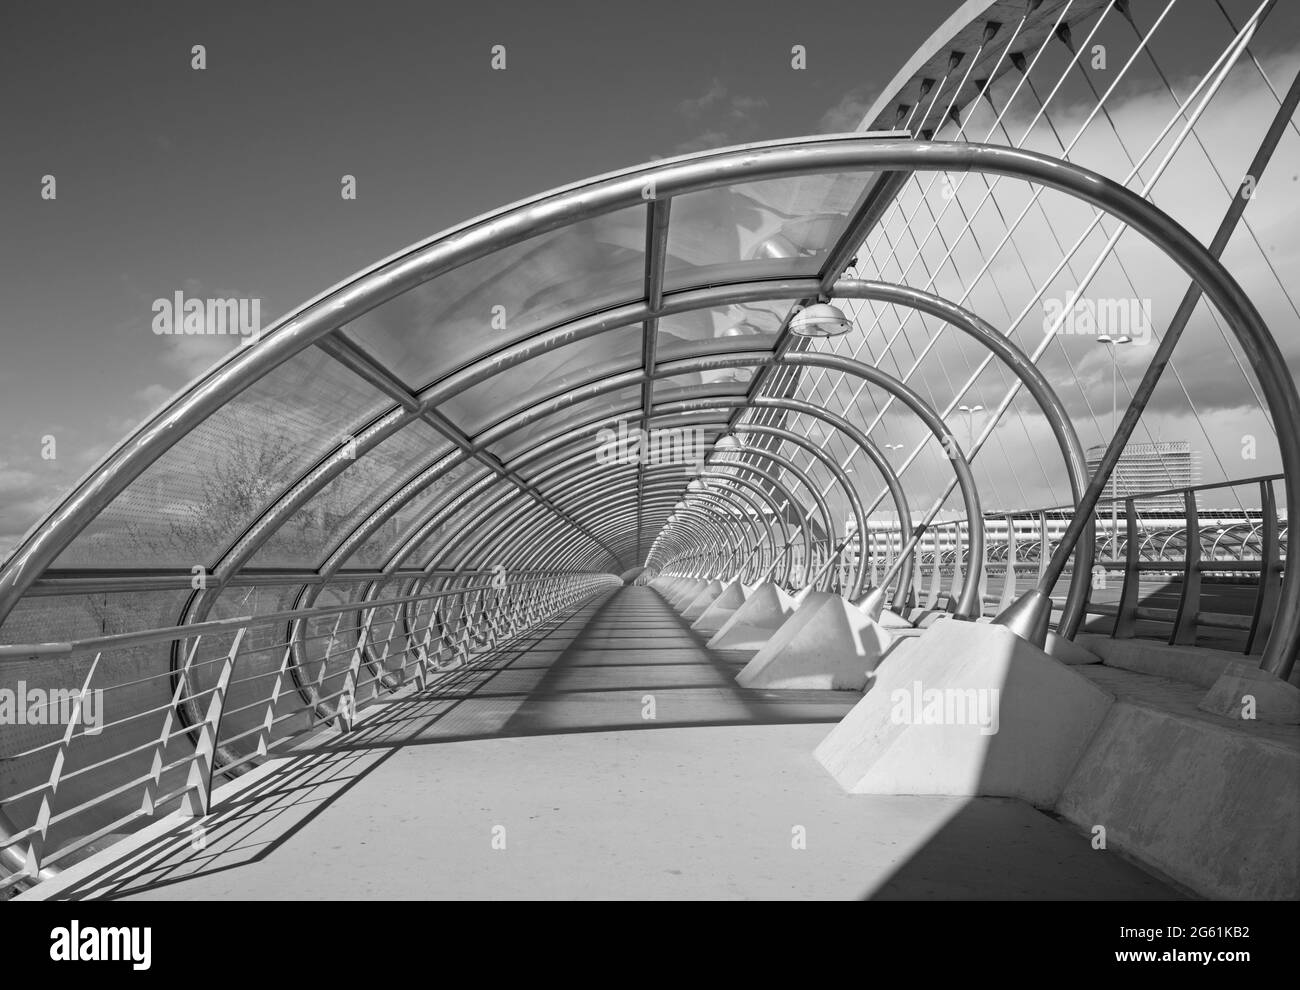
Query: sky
(1204,398)
(225,182)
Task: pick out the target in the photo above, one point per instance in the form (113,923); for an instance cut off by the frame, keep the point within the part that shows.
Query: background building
(1151,467)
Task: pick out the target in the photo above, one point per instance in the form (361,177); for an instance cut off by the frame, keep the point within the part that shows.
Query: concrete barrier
(700,603)
(1209,803)
(670,587)
(1195,666)
(826,644)
(711,619)
(1244,691)
(686,592)
(754,623)
(971,709)
(1068,651)
(892,620)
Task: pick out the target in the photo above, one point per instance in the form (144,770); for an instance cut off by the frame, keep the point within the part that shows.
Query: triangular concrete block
(800,596)
(688,595)
(674,589)
(753,624)
(1244,690)
(969,710)
(685,593)
(669,588)
(697,605)
(892,620)
(930,619)
(711,619)
(1068,651)
(826,645)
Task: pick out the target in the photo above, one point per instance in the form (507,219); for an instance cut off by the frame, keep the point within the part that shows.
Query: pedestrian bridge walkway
(355,600)
(486,785)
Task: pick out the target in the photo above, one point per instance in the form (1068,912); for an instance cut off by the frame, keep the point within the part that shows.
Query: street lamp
(890,448)
(1112,343)
(970,412)
(820,320)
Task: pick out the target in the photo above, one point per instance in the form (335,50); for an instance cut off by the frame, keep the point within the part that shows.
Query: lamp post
(970,412)
(1112,343)
(889,450)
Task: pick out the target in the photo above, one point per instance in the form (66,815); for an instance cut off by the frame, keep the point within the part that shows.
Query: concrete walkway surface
(607,755)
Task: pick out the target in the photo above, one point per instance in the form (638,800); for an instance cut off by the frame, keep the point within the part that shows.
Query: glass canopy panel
(776,228)
(463,514)
(699,384)
(740,327)
(554,372)
(609,478)
(435,328)
(308,536)
(401,526)
(197,498)
(701,432)
(626,401)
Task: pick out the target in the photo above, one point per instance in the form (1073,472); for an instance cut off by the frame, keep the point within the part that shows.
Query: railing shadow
(589,671)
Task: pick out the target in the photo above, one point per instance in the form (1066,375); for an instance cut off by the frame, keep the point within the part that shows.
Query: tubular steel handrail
(410,639)
(1184,548)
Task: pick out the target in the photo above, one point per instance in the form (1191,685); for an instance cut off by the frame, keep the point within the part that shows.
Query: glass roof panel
(579,412)
(708,434)
(433,329)
(547,374)
(739,327)
(397,529)
(458,520)
(336,510)
(776,228)
(198,497)
(466,510)
(726,381)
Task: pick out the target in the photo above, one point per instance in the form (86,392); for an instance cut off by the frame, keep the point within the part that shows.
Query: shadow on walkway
(623,661)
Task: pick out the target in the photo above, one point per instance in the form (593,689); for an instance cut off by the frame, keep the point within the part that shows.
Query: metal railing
(258,683)
(1250,550)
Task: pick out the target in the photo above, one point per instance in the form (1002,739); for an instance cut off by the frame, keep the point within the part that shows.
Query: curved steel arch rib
(468,243)
(319,323)
(526,414)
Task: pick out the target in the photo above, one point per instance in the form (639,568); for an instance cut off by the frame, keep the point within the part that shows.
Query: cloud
(730,119)
(743,106)
(154,395)
(30,484)
(695,106)
(28,488)
(709,139)
(847,114)
(1021,465)
(193,354)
